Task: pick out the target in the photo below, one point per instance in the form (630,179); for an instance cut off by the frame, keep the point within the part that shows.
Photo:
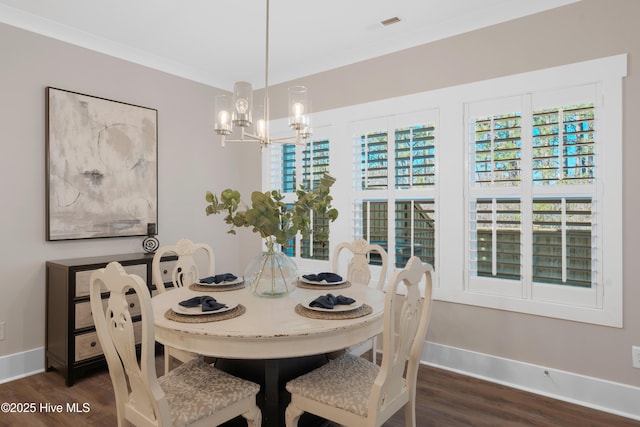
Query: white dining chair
(184,271)
(358,270)
(353,391)
(194,394)
(356,256)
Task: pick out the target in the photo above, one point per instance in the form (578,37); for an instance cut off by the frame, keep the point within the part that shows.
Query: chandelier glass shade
(252,121)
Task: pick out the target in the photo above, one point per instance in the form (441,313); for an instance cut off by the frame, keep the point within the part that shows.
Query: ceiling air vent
(390,21)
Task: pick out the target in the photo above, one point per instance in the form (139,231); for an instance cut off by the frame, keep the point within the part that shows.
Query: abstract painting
(101,167)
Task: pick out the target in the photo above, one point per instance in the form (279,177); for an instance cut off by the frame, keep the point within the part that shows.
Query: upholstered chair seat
(344,383)
(196,390)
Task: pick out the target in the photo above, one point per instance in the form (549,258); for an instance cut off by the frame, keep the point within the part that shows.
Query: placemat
(363,310)
(306,285)
(205,318)
(217,288)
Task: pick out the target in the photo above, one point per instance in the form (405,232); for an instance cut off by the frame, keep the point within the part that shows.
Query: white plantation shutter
(315,162)
(288,163)
(415,156)
(497,150)
(495,252)
(374,157)
(563,145)
(282,168)
(564,173)
(495,242)
(414,231)
(562,242)
(403,220)
(531,190)
(374,224)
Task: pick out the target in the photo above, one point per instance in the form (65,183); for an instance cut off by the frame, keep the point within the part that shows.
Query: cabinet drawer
(88,345)
(84,318)
(83,278)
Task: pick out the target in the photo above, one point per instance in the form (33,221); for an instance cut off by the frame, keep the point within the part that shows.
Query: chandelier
(253,121)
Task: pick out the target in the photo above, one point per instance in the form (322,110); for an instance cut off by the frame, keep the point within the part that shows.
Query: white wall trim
(608,396)
(20,365)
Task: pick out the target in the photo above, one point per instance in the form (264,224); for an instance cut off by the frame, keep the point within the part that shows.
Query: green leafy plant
(270,216)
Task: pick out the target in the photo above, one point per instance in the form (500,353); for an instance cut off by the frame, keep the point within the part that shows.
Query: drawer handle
(93,343)
(165,271)
(131,305)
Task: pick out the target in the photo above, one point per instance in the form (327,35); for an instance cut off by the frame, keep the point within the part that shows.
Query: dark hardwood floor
(443,399)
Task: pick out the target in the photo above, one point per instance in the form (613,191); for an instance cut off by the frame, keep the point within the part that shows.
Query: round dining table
(284,336)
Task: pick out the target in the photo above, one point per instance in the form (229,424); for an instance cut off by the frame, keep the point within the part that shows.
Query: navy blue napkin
(207,303)
(330,300)
(218,278)
(327,277)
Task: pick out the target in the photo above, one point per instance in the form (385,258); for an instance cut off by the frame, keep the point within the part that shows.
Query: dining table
(268,340)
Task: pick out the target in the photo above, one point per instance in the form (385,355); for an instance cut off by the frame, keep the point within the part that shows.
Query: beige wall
(190,163)
(585,30)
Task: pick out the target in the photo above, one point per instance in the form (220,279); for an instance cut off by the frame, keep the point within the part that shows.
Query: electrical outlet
(635,353)
(2,325)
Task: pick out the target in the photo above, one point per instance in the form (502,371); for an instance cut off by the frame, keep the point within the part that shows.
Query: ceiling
(217,42)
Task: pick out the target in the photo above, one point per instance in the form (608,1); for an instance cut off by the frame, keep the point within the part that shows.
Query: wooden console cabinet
(71,342)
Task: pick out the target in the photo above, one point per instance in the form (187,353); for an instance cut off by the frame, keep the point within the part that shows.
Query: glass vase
(271,274)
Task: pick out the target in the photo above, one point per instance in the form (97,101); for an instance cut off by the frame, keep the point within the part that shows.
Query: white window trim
(451,212)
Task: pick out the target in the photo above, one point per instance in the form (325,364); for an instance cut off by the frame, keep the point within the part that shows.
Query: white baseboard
(616,398)
(603,395)
(19,365)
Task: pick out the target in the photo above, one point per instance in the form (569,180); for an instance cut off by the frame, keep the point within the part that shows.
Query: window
(414,231)
(495,245)
(288,168)
(563,145)
(285,180)
(315,162)
(537,232)
(403,220)
(530,195)
(285,169)
(499,184)
(562,242)
(374,160)
(415,156)
(372,224)
(497,150)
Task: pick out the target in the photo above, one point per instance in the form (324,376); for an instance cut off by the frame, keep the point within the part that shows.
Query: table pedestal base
(272,375)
